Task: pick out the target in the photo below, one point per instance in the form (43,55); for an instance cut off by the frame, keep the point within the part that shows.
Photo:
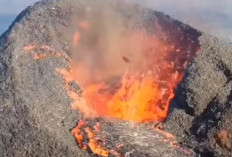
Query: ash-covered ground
(35,114)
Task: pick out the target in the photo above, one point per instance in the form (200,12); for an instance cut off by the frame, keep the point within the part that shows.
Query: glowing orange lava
(132,79)
(92,144)
(134,82)
(48,52)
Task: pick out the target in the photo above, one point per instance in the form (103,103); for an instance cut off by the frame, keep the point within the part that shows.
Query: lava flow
(127,75)
(130,76)
(138,87)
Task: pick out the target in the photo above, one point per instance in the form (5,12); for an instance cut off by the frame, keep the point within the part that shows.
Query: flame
(138,96)
(142,93)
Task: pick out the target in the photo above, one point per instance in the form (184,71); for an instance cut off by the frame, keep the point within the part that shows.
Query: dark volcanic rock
(206,94)
(209,83)
(35,114)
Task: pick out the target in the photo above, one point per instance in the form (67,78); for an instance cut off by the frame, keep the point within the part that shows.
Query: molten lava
(123,74)
(134,82)
(93,144)
(37,56)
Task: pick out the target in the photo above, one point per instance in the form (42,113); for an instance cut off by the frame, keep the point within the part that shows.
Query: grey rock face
(206,93)
(35,114)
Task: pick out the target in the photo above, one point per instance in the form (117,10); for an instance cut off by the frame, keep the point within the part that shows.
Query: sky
(14,6)
(212,16)
(9,9)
